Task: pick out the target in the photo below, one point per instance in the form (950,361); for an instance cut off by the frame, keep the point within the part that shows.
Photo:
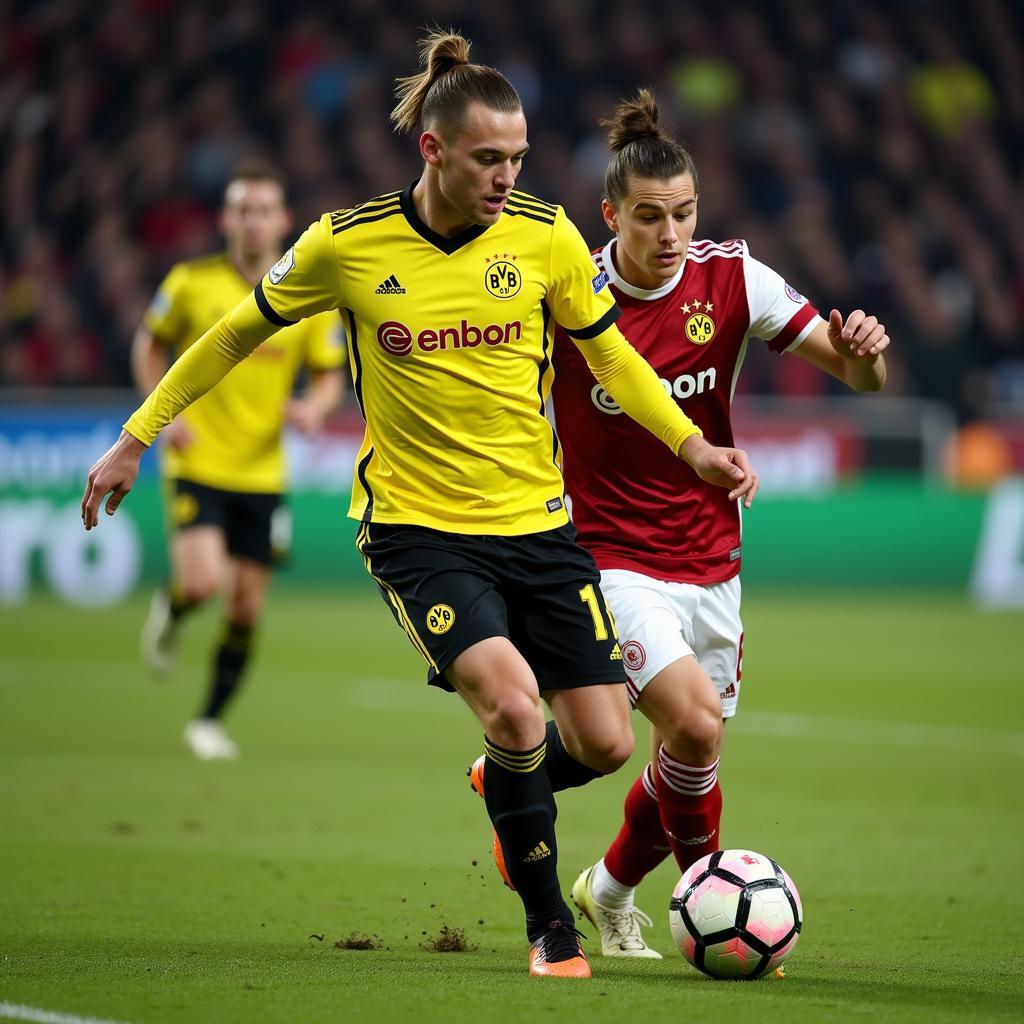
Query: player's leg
(197,554)
(685,708)
(443,591)
(252,548)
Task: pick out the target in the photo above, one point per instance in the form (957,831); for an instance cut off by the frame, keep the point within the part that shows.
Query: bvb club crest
(698,327)
(502,278)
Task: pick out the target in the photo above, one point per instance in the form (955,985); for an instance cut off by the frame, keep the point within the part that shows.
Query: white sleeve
(778,312)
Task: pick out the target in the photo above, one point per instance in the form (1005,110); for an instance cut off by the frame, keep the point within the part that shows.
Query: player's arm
(320,398)
(850,351)
(312,287)
(634,385)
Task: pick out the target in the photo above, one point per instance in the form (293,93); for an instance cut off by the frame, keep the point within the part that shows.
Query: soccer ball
(735,914)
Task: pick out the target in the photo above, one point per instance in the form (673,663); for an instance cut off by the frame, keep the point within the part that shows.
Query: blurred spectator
(873,152)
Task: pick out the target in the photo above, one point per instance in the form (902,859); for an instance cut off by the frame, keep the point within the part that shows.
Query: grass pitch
(878,755)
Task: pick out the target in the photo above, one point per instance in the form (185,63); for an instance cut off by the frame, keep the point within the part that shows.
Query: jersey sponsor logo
(440,619)
(390,287)
(686,385)
(283,267)
(599,282)
(502,279)
(397,339)
(634,657)
(794,294)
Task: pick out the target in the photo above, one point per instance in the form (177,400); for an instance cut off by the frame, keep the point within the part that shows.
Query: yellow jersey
(450,344)
(237,426)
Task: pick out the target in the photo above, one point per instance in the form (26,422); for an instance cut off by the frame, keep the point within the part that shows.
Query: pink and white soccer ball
(735,914)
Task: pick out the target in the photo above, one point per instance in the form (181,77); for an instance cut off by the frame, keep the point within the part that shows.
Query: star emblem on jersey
(502,277)
(699,327)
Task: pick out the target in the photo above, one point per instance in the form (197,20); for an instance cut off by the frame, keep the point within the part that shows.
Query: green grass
(878,755)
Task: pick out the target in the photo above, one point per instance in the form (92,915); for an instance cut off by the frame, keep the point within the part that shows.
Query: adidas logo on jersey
(390,287)
(539,852)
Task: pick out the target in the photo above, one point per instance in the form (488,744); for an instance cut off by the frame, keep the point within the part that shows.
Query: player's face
(478,167)
(654,222)
(254,218)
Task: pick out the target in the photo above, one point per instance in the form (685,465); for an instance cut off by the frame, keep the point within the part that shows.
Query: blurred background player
(450,288)
(668,546)
(223,458)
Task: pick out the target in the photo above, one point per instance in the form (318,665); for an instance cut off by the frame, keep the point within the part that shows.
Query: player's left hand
(861,338)
(723,467)
(304,416)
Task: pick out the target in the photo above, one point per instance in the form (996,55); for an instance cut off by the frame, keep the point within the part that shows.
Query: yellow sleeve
(629,379)
(228,342)
(578,295)
(163,318)
(305,280)
(325,346)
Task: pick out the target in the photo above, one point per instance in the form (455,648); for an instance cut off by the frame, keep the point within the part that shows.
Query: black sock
(229,664)
(522,809)
(563,770)
(179,604)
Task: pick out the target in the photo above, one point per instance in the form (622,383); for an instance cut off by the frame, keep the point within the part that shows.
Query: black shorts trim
(540,591)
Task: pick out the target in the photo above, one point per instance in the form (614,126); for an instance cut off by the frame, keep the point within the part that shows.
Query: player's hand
(861,338)
(304,416)
(723,467)
(113,474)
(178,434)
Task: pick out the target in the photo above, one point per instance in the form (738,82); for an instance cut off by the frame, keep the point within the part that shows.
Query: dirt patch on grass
(448,940)
(359,941)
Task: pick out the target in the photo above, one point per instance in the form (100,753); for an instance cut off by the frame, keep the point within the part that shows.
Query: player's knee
(515,719)
(606,753)
(697,738)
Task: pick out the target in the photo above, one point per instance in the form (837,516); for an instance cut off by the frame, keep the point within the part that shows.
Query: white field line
(15,1011)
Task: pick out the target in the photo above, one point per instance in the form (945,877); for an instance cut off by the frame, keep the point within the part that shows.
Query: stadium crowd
(873,153)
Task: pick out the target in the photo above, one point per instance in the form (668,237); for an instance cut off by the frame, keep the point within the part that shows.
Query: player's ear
(611,218)
(430,148)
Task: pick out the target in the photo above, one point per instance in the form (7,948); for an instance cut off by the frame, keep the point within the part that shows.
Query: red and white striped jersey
(635,504)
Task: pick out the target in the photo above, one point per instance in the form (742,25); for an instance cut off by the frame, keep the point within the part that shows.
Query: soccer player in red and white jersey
(668,546)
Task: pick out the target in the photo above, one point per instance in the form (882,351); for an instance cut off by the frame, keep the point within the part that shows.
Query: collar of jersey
(446,245)
(608,265)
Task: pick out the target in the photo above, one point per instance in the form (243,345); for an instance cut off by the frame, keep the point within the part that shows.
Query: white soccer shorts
(660,622)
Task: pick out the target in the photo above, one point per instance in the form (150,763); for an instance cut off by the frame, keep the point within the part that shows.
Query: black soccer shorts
(449,591)
(255,526)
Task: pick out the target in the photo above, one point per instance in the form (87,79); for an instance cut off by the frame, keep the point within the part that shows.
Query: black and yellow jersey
(236,426)
(450,347)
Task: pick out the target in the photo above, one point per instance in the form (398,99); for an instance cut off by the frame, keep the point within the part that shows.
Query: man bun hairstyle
(641,147)
(437,96)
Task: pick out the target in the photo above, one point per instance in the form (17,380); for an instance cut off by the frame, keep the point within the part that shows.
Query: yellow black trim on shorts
(363,538)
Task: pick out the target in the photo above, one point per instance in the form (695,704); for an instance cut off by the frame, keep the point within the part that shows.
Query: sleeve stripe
(368,219)
(602,325)
(267,310)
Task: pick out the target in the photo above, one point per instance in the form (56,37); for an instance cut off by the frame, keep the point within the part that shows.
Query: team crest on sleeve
(282,268)
(794,294)
(440,619)
(502,278)
(699,326)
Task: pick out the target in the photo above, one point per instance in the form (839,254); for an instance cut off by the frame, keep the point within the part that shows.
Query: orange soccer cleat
(557,953)
(476,782)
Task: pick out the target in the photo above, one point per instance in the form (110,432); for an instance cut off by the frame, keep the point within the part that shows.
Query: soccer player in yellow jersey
(223,460)
(450,290)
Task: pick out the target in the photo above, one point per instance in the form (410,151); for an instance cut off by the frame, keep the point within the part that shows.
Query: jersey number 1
(589,598)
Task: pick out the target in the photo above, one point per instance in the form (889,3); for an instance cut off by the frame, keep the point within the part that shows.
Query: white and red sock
(690,807)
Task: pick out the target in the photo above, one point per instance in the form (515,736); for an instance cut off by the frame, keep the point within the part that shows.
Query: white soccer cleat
(159,635)
(208,741)
(619,929)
